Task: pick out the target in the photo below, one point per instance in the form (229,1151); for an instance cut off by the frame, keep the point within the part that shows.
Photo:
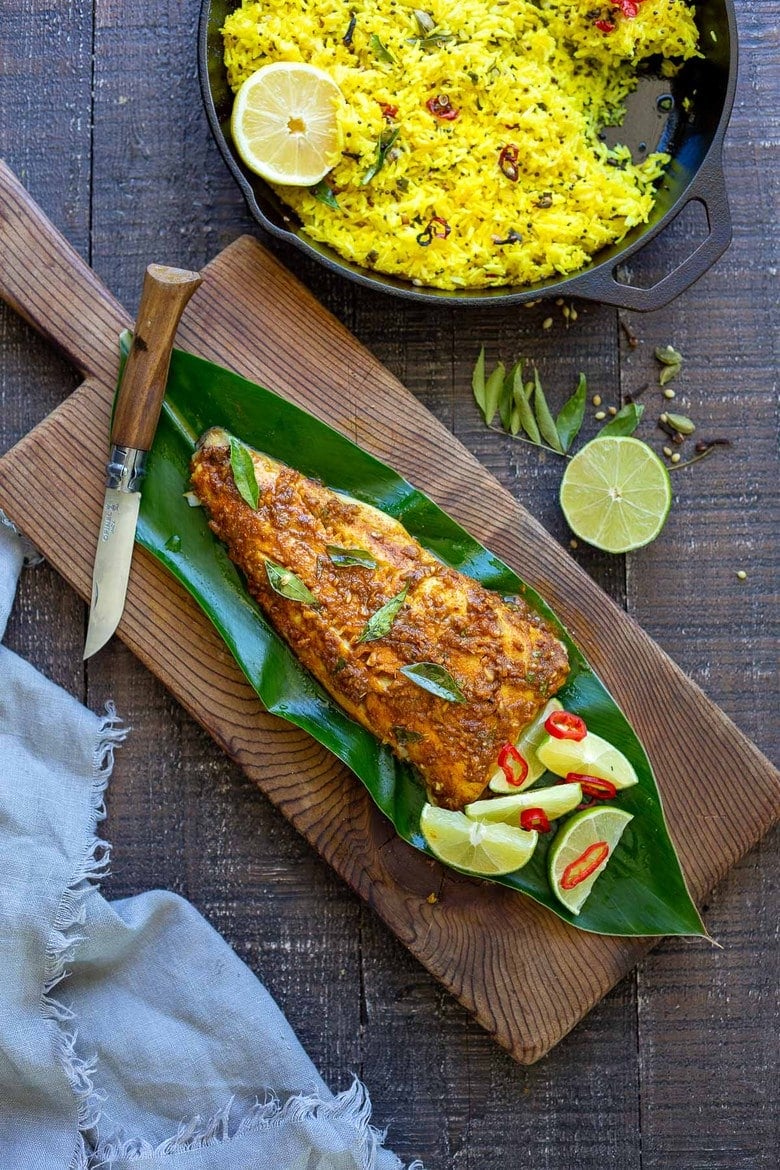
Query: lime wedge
(527,744)
(555,802)
(616,494)
(475,847)
(591,756)
(580,852)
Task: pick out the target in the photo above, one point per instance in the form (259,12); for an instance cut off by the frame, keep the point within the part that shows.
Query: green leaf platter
(641,892)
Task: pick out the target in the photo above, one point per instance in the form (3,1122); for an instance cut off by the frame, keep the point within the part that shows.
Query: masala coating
(501,654)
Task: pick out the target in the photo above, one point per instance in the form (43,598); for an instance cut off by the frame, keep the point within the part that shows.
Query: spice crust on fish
(500,655)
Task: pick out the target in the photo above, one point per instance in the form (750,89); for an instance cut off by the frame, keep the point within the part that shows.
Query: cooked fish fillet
(503,657)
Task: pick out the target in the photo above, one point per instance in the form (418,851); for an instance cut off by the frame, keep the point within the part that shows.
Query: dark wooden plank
(45,137)
(300,349)
(435,1090)
(708,1019)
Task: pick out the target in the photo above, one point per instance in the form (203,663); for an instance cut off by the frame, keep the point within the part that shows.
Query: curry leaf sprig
(519,400)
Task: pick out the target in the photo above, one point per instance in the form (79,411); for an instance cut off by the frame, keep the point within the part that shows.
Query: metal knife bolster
(126,468)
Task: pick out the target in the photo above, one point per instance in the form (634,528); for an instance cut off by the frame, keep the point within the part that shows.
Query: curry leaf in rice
(384,143)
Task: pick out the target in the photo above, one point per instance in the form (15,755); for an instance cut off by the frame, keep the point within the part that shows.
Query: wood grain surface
(116,149)
(252,315)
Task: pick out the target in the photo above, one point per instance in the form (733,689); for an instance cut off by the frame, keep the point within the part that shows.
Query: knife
(165,293)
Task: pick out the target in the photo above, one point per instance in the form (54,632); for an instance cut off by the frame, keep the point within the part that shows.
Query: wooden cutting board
(482,941)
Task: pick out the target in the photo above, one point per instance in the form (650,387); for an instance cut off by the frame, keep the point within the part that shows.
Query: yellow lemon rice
(515,188)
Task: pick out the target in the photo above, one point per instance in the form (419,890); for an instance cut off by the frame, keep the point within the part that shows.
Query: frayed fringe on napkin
(66,936)
(352,1108)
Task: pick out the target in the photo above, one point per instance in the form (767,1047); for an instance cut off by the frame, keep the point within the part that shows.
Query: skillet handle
(709,188)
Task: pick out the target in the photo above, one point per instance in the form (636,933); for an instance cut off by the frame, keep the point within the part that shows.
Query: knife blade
(164,296)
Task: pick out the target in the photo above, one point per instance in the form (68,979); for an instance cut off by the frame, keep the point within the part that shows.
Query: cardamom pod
(668,355)
(680,423)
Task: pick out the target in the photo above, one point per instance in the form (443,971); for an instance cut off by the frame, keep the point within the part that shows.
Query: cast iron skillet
(690,127)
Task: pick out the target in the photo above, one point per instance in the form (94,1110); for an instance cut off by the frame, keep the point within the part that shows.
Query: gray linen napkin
(131,1035)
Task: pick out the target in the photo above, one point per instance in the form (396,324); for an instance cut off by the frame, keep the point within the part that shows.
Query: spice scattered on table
(671,363)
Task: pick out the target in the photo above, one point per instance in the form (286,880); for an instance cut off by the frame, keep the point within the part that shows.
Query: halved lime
(580,852)
(474,847)
(555,802)
(616,494)
(527,744)
(591,756)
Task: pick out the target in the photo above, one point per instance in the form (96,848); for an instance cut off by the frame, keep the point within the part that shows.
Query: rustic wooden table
(100,116)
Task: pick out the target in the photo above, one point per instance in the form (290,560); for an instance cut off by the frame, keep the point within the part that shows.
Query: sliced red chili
(437,227)
(629,8)
(593,786)
(605,26)
(507,162)
(584,865)
(512,764)
(535,818)
(389,112)
(565,725)
(441,107)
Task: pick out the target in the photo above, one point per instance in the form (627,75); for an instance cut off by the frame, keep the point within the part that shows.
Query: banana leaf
(642,891)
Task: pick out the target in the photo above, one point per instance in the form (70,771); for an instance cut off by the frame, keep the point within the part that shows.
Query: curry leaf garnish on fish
(435,679)
(381,622)
(244,473)
(344,557)
(379,50)
(384,143)
(286,584)
(405,735)
(625,421)
(571,414)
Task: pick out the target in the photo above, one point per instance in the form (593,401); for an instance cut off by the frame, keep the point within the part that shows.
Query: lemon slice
(555,802)
(527,744)
(285,123)
(473,846)
(591,756)
(580,852)
(616,494)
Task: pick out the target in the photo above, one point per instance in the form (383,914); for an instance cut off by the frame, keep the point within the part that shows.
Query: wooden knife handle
(163,298)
